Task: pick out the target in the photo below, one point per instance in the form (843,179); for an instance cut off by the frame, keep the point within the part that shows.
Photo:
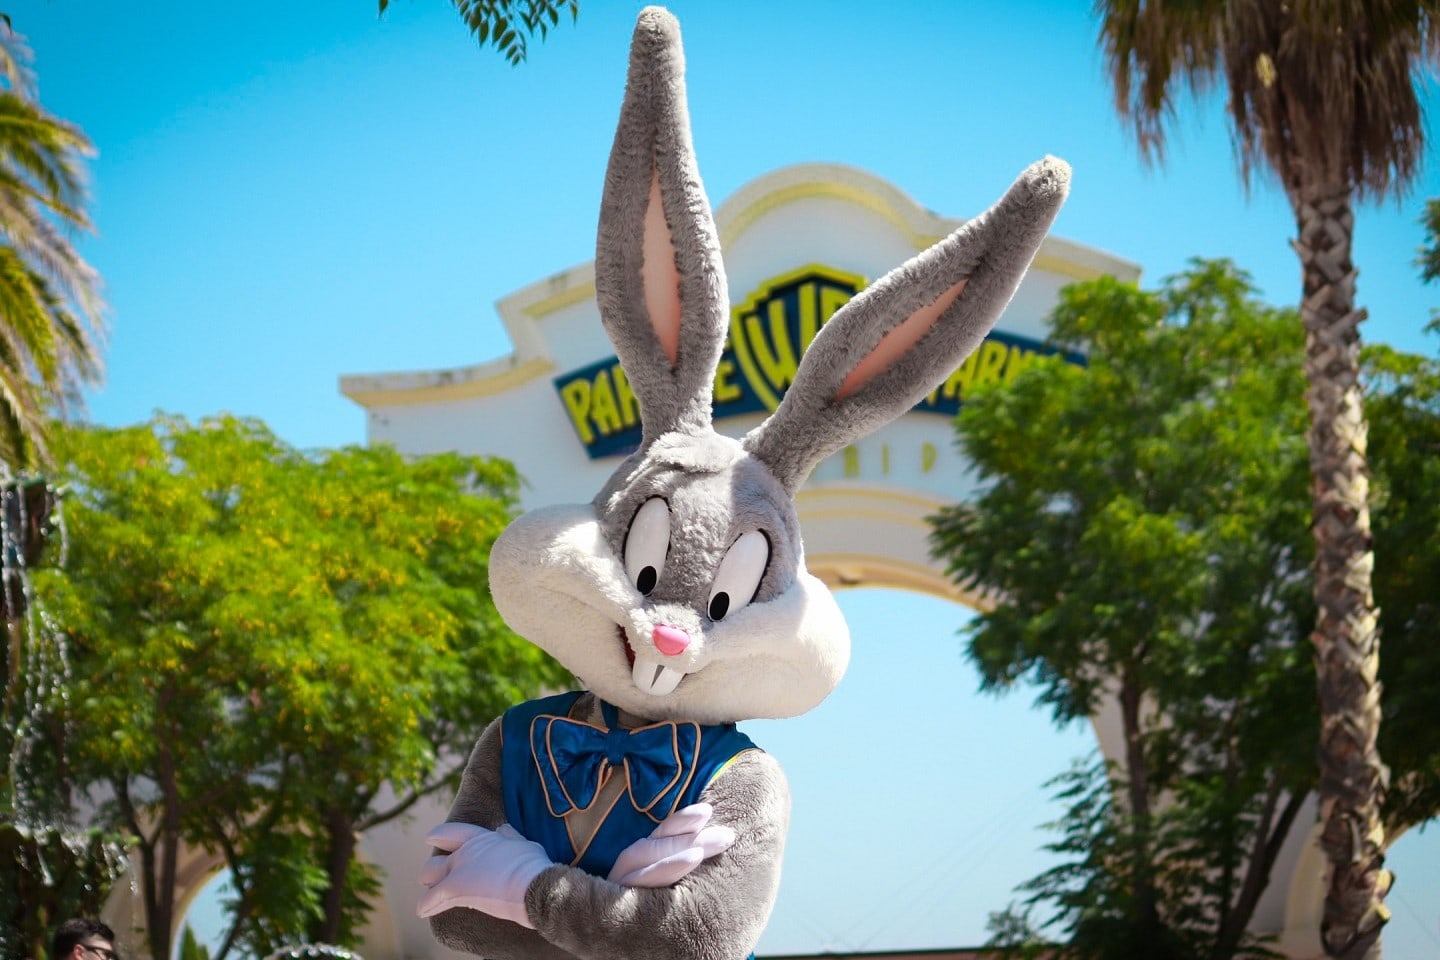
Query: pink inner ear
(661,279)
(898,342)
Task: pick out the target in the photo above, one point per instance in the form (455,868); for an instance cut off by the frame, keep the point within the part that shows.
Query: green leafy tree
(1403,399)
(274,651)
(1404,403)
(507,24)
(190,946)
(1322,95)
(1141,531)
(1428,259)
(50,307)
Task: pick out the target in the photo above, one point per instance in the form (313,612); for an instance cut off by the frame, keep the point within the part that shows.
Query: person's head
(81,939)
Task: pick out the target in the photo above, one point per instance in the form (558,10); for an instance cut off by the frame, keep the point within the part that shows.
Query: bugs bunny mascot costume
(633,821)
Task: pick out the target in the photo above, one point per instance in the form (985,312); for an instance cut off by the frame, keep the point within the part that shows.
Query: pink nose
(670,641)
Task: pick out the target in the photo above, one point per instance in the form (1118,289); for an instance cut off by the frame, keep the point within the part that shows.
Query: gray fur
(991,252)
(653,140)
(558,573)
(716,913)
(716,492)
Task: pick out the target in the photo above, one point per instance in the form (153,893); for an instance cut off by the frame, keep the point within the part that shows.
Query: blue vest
(551,764)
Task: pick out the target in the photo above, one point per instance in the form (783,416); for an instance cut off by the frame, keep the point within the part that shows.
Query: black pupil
(646,581)
(719,606)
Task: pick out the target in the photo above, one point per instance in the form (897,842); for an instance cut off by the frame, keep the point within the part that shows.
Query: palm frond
(51,311)
(15,61)
(47,151)
(507,25)
(1320,91)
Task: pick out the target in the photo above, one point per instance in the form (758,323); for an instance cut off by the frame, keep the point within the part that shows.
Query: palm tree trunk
(1346,637)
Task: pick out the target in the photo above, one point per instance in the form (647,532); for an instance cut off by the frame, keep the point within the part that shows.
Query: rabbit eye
(739,575)
(647,543)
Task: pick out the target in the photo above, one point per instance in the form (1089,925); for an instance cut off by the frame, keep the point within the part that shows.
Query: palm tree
(505,24)
(50,308)
(1322,94)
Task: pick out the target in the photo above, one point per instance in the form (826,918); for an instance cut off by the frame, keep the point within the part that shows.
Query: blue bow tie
(574,757)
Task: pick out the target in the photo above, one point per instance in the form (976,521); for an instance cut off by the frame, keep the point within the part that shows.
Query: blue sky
(288,192)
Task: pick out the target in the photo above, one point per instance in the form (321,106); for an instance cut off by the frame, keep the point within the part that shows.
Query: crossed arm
(716,912)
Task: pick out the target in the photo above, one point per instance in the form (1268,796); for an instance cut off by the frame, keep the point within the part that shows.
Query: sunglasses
(105,952)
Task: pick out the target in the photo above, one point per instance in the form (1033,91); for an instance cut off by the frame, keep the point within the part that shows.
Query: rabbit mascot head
(633,820)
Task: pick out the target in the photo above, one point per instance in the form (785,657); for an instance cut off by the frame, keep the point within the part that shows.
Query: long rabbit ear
(659,280)
(902,336)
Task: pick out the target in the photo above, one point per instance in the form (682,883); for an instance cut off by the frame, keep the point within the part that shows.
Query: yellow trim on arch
(865,198)
(1066,268)
(854,513)
(818,189)
(842,570)
(890,501)
(464,389)
(559,301)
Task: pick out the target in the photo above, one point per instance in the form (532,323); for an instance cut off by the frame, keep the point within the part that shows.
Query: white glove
(676,847)
(485,870)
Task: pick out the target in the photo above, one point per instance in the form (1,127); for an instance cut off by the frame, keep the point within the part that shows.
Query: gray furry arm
(716,913)
(479,801)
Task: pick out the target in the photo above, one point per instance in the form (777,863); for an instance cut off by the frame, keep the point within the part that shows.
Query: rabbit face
(680,593)
(714,493)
